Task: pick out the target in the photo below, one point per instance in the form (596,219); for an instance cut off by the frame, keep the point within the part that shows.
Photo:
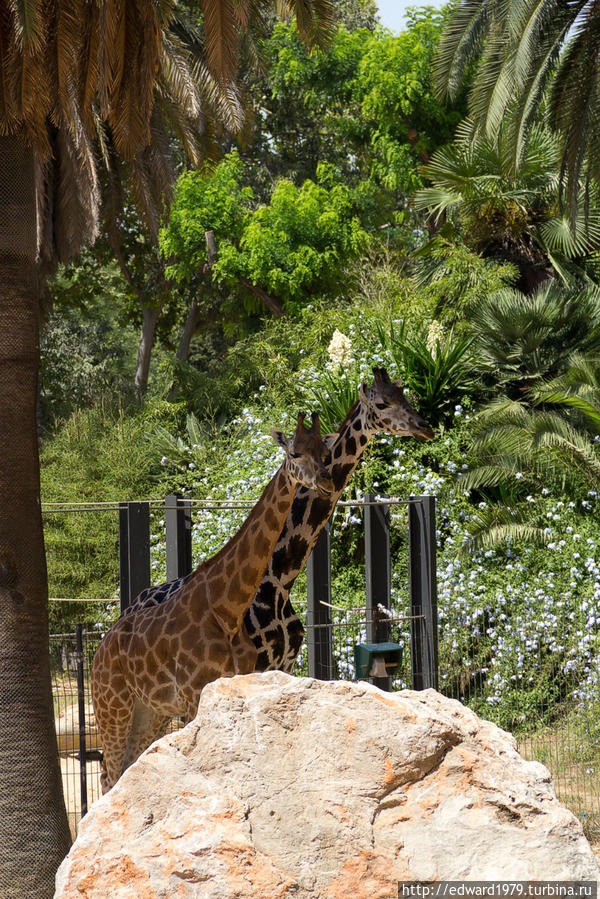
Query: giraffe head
(389,410)
(305,455)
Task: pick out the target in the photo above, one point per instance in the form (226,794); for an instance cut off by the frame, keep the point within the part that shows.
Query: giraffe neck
(310,512)
(231,578)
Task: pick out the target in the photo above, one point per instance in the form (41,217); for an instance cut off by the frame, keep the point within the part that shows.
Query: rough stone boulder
(292,787)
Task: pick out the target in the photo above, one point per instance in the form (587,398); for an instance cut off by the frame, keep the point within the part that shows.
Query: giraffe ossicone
(153,663)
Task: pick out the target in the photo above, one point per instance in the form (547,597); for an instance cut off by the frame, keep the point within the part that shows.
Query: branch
(272,303)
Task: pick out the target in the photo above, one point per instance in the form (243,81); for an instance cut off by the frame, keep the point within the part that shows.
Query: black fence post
(318,616)
(178,534)
(81,716)
(423,592)
(378,576)
(134,550)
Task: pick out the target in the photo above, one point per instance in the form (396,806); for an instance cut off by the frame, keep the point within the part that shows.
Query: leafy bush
(98,455)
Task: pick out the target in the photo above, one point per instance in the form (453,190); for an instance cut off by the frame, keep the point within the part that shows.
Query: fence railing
(542,700)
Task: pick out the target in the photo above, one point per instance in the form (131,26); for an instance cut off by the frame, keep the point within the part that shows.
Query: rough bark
(34,831)
(149,319)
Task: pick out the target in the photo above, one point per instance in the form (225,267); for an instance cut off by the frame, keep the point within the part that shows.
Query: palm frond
(316,19)
(75,212)
(571,238)
(491,527)
(574,98)
(460,43)
(222,37)
(28,23)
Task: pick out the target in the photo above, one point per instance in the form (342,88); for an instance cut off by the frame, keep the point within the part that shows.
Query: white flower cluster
(435,336)
(340,350)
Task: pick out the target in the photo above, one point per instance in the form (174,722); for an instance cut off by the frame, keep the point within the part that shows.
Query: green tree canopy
(210,198)
(365,104)
(297,246)
(293,248)
(407,122)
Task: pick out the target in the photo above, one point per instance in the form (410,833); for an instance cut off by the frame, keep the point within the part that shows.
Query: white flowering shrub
(340,351)
(519,626)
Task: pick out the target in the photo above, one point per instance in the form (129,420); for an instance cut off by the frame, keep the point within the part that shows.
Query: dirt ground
(69,766)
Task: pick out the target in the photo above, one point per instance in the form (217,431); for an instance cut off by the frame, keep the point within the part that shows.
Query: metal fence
(70,662)
(79,747)
(541,700)
(523,684)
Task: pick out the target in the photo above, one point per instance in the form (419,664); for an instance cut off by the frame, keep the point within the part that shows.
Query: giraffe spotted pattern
(153,663)
(271,622)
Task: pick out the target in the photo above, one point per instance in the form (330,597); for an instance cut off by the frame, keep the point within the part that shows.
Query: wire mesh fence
(78,751)
(78,741)
(538,684)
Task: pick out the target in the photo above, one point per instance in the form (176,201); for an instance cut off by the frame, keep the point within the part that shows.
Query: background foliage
(358,221)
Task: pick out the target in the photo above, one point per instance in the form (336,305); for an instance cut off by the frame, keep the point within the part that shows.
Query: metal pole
(318,617)
(178,531)
(81,716)
(134,550)
(378,576)
(423,592)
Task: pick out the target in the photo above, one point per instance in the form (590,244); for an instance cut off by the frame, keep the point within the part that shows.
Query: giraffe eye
(294,455)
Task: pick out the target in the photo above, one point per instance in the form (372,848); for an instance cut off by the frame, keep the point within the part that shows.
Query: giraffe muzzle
(324,485)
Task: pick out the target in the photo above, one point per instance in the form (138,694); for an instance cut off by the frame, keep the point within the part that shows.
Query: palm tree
(550,436)
(519,340)
(190,106)
(62,66)
(529,50)
(505,214)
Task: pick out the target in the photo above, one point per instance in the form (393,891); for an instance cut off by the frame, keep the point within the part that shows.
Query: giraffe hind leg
(147,725)
(113,727)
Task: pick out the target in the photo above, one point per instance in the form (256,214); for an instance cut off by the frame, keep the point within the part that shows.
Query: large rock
(292,787)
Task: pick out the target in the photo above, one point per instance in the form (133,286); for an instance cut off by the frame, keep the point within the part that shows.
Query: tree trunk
(149,319)
(34,830)
(189,329)
(272,303)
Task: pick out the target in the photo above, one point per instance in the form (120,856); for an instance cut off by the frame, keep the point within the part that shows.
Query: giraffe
(271,621)
(153,663)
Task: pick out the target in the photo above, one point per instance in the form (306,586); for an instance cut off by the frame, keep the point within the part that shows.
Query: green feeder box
(377,659)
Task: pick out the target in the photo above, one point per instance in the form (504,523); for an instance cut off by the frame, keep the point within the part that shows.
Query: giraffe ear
(280,438)
(329,439)
(363,389)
